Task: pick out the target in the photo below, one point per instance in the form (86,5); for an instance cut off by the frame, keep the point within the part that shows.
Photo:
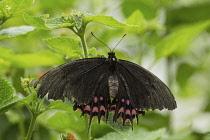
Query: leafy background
(171,38)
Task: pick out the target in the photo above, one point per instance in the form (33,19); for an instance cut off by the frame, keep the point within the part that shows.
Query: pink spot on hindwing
(95,109)
(127,102)
(128,112)
(102,108)
(133,112)
(87,107)
(95,99)
(121,110)
(101,98)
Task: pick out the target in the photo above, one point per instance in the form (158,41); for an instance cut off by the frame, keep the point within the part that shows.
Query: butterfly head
(111,55)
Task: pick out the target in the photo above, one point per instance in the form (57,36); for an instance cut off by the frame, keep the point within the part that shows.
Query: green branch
(84,45)
(32,124)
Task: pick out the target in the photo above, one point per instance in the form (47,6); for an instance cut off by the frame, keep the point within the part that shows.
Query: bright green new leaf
(106,20)
(78,20)
(179,40)
(59,105)
(56,23)
(9,8)
(74,19)
(38,22)
(6,90)
(43,22)
(65,45)
(137,134)
(15,31)
(136,18)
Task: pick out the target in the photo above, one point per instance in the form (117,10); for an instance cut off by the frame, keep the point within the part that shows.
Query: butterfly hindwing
(146,91)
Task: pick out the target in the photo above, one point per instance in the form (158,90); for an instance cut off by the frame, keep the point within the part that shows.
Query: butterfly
(103,85)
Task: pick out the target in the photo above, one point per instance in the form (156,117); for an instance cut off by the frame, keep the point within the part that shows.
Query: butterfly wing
(78,79)
(145,90)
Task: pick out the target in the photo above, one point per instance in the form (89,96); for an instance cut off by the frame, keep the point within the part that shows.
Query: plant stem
(31,127)
(84,44)
(81,34)
(21,124)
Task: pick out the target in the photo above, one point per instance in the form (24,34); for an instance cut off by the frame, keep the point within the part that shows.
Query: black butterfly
(103,85)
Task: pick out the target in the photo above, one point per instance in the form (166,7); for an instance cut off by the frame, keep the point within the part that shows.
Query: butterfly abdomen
(113,86)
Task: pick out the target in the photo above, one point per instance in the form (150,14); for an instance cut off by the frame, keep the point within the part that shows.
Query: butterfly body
(103,85)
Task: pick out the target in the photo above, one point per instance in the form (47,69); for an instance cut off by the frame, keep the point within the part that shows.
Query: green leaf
(65,45)
(9,8)
(118,125)
(4,64)
(75,19)
(137,18)
(148,8)
(60,121)
(15,31)
(56,23)
(38,22)
(183,14)
(93,52)
(29,99)
(99,130)
(59,105)
(6,90)
(178,41)
(153,121)
(5,106)
(43,22)
(106,20)
(185,71)
(136,134)
(5,52)
(15,101)
(63,122)
(41,58)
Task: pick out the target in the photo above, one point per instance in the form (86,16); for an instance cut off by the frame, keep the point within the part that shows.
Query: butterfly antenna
(119,42)
(99,40)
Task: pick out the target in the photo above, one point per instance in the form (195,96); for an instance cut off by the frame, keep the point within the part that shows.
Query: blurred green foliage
(169,37)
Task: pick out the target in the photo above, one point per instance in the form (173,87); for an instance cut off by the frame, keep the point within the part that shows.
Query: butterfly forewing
(146,91)
(76,79)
